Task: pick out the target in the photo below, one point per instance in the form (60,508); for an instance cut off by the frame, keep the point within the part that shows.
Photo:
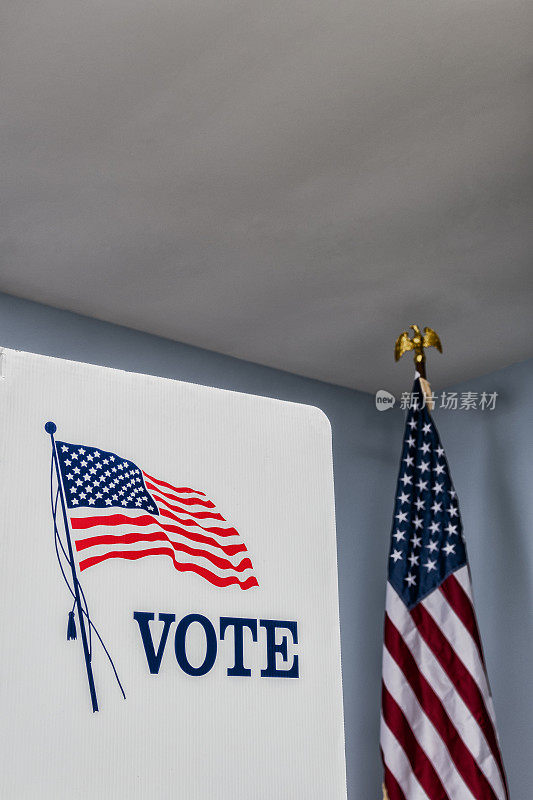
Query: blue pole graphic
(51,428)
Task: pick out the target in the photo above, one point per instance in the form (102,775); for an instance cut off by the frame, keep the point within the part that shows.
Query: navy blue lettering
(272,648)
(238,624)
(143,618)
(211,644)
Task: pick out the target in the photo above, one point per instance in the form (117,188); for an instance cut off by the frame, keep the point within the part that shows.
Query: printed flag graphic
(116,510)
(438,731)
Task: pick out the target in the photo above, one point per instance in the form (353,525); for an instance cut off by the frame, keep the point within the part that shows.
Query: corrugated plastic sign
(168,591)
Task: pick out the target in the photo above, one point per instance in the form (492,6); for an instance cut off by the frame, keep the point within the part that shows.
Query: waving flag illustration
(117,510)
(112,509)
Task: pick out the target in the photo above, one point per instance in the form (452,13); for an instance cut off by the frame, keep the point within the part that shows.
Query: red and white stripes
(189,529)
(438,735)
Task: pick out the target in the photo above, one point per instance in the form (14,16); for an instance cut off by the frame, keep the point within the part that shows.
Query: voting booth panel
(168,590)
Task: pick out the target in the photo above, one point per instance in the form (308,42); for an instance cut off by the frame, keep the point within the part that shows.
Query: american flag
(116,510)
(438,731)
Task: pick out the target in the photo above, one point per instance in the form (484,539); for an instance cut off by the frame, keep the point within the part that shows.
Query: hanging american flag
(116,510)
(438,732)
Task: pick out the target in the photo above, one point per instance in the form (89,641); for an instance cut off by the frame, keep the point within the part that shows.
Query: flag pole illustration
(112,509)
(51,428)
(438,729)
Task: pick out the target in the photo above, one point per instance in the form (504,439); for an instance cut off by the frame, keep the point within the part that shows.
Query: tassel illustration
(71,626)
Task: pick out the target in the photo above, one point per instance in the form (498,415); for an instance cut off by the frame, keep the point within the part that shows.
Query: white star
(427,427)
(409,460)
(99,495)
(105,489)
(89,488)
(396,555)
(70,476)
(449,549)
(434,527)
(453,494)
(432,546)
(413,559)
(411,580)
(436,507)
(106,461)
(412,424)
(399,535)
(74,501)
(440,451)
(76,470)
(451,528)
(418,523)
(452,511)
(91,501)
(401,516)
(74,455)
(425,448)
(73,489)
(419,504)
(92,471)
(83,495)
(429,565)
(424,466)
(411,441)
(90,457)
(416,541)
(97,453)
(439,469)
(108,501)
(84,463)
(406,479)
(68,463)
(64,448)
(422,485)
(81,450)
(115,497)
(437,488)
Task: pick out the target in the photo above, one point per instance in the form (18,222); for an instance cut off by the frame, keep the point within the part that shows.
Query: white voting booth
(195,530)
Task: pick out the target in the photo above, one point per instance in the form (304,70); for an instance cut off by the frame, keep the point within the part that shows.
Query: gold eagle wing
(431,339)
(403,344)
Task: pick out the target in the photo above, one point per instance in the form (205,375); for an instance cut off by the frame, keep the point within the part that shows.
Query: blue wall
(489,456)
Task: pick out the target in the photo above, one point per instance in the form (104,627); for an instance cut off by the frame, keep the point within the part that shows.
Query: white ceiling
(287,181)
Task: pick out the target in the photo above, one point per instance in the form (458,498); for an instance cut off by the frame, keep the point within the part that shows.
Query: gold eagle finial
(417,343)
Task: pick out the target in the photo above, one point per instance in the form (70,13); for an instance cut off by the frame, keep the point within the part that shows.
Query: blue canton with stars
(98,479)
(427,536)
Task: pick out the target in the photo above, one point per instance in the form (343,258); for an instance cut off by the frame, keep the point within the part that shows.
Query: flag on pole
(438,730)
(116,510)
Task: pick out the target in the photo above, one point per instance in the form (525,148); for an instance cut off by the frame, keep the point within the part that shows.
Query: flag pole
(51,428)
(419,342)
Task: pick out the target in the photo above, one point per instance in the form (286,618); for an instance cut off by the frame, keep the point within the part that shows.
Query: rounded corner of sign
(322,419)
